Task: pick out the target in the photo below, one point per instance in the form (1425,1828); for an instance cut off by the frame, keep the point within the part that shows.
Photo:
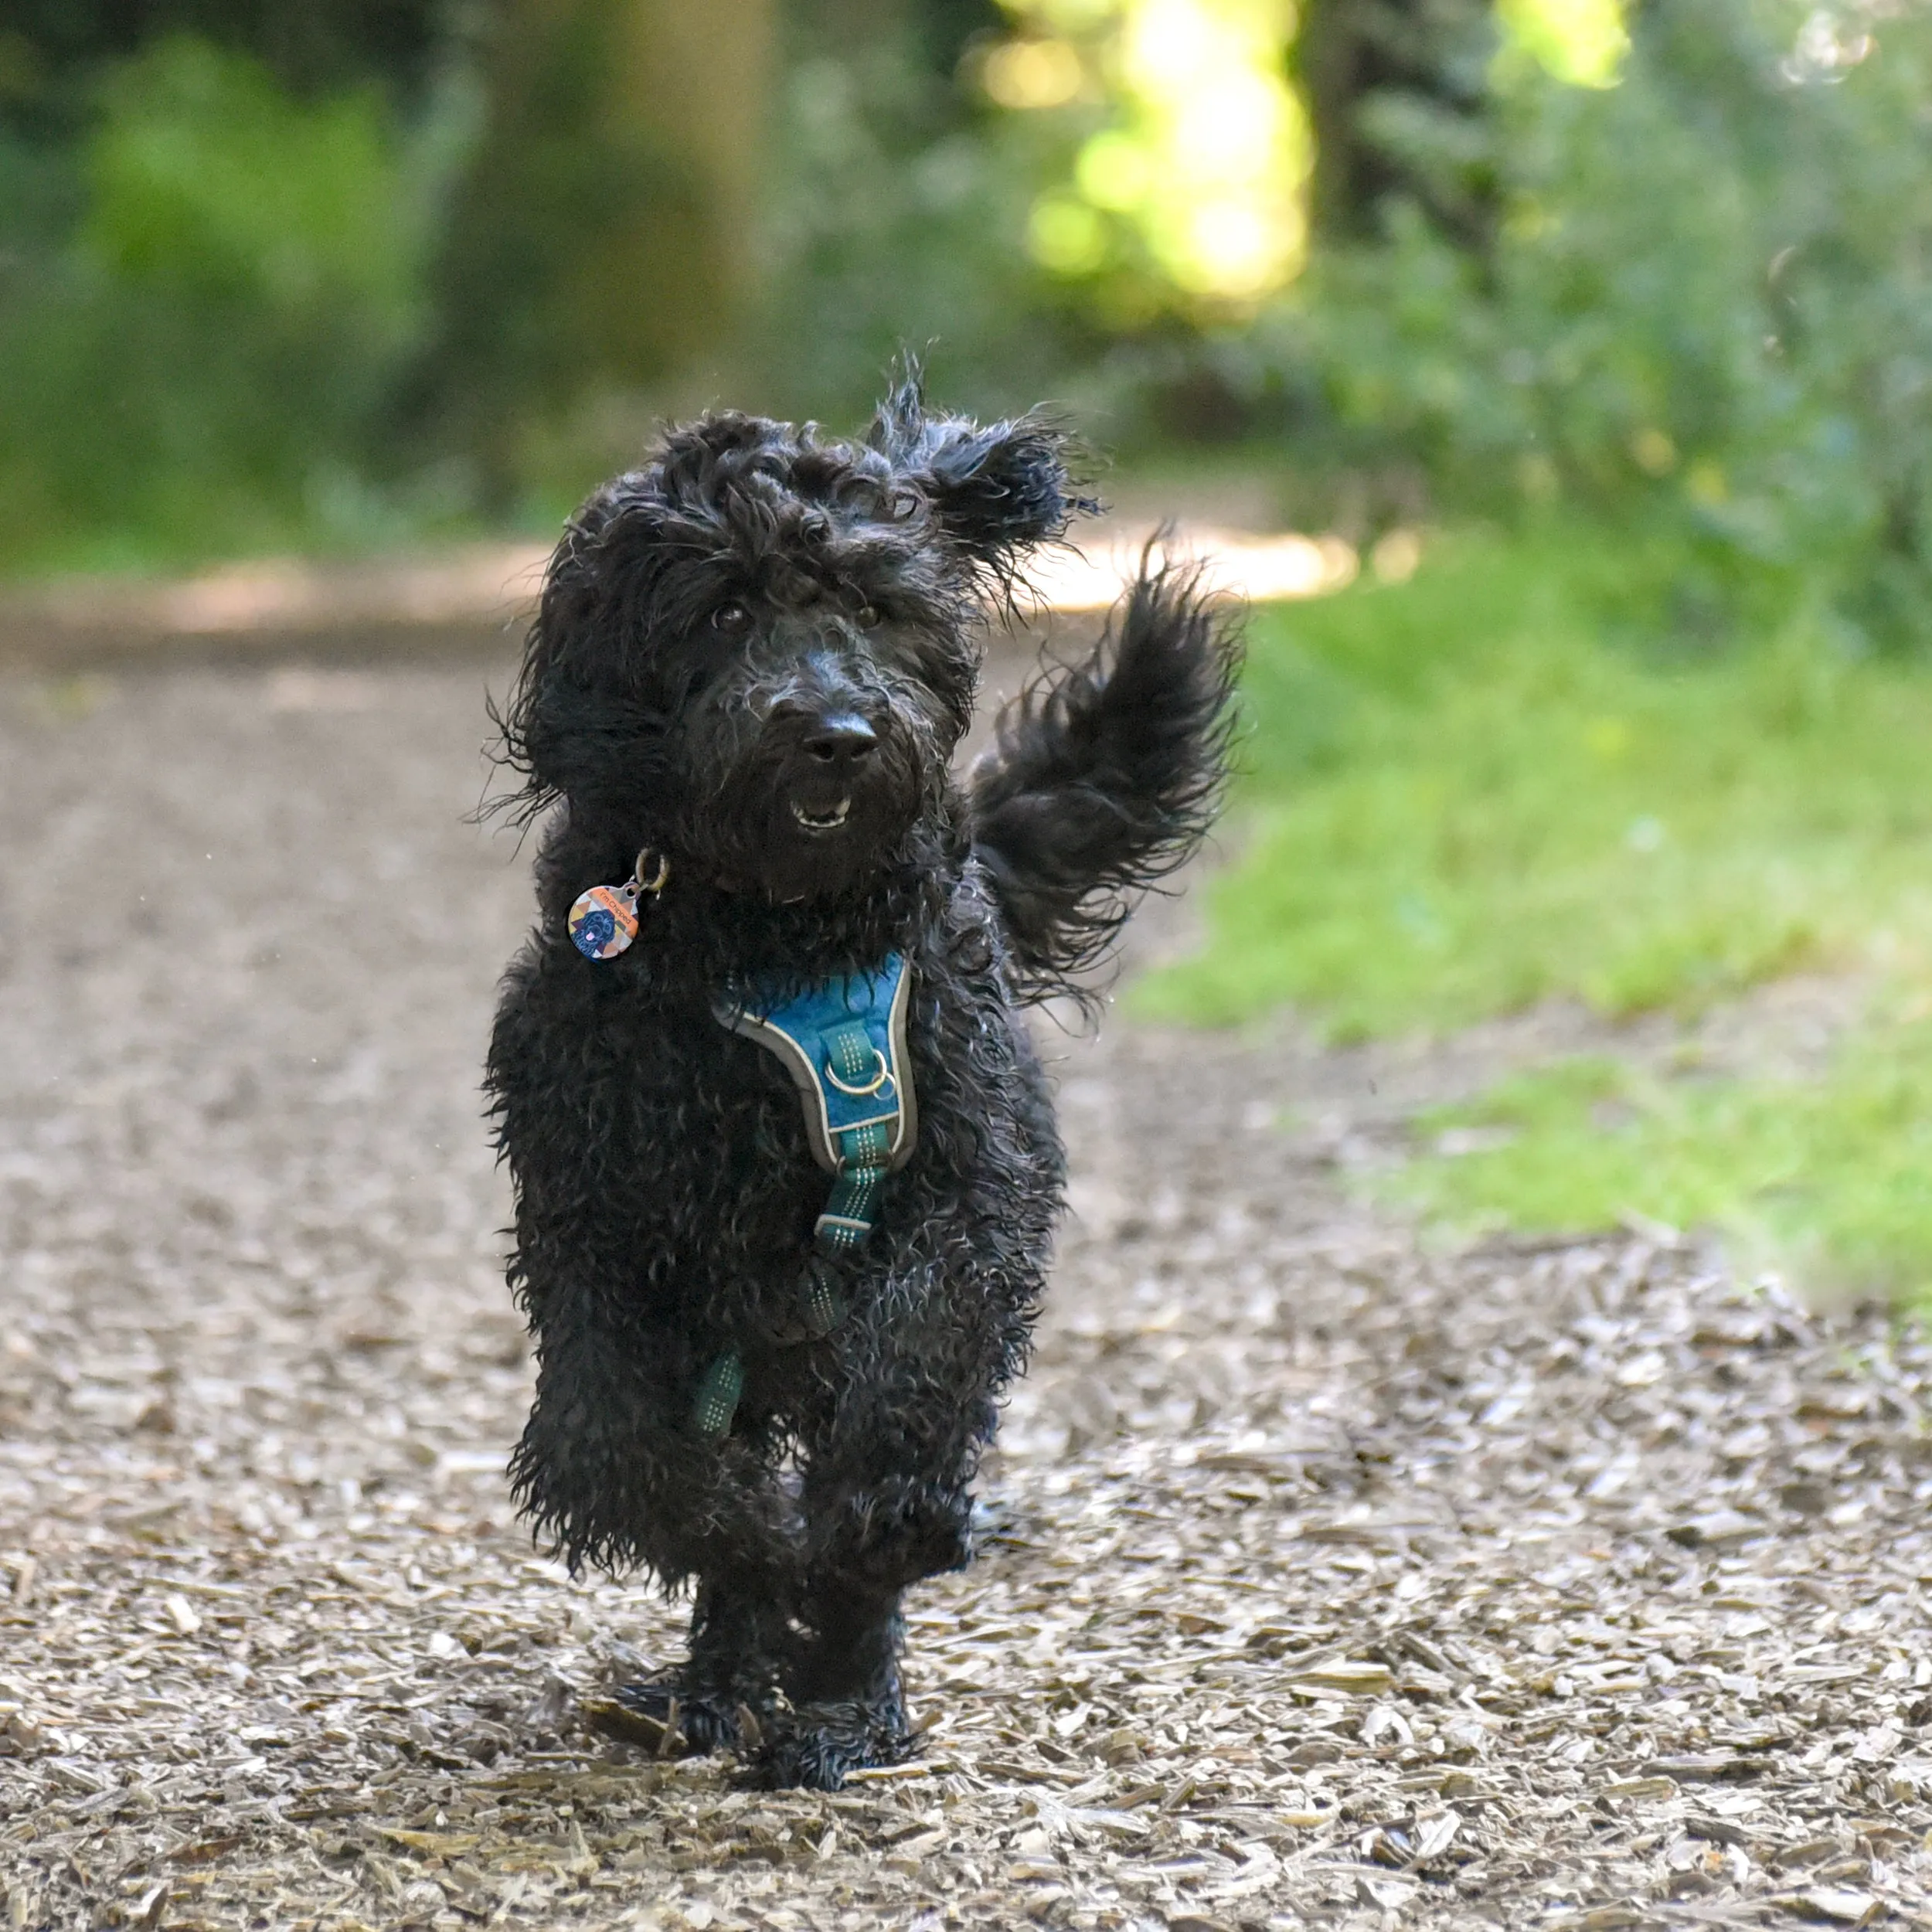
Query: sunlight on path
(493,587)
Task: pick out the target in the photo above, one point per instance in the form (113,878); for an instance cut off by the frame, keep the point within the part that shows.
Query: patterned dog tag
(604,920)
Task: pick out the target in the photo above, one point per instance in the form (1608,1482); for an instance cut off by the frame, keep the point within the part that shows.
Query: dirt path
(1326,1578)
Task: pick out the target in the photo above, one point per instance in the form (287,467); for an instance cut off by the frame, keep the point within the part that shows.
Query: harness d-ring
(878,1080)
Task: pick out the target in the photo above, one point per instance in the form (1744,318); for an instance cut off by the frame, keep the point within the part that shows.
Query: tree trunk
(601,238)
(1422,65)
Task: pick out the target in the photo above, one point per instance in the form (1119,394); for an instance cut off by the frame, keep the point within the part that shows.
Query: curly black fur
(755,656)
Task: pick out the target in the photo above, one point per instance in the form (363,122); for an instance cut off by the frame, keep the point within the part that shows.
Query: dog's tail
(1105,776)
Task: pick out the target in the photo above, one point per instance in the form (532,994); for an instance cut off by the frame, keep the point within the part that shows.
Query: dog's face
(758,653)
(820,717)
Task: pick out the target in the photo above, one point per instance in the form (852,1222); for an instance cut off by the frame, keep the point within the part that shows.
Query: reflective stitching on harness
(844,1043)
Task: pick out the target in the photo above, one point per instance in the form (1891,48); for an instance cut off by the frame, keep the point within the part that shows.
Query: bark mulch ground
(1327,1578)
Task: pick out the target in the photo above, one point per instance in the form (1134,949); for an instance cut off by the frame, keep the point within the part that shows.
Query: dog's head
(757,652)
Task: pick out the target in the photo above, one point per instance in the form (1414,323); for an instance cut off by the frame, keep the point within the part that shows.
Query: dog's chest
(719,1122)
(716,1153)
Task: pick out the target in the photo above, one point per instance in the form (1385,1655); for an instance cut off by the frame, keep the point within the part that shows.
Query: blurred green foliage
(1706,303)
(346,272)
(207,184)
(198,336)
(340,276)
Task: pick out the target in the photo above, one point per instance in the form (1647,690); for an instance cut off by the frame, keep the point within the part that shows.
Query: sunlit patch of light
(1032,73)
(1583,42)
(1209,156)
(1227,143)
(1258,569)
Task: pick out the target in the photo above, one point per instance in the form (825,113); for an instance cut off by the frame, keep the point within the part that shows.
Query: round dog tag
(604,920)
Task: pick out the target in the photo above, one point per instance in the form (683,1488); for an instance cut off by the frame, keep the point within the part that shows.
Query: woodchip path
(1327,1578)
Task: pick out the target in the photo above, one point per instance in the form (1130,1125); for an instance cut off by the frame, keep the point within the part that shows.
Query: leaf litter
(1324,1578)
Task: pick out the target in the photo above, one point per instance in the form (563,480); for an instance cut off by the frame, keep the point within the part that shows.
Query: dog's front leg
(886,1497)
(611,1463)
(722,1696)
(619,1206)
(846,1709)
(875,1532)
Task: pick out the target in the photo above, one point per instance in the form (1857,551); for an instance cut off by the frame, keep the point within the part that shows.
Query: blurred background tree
(597,243)
(342,273)
(1396,92)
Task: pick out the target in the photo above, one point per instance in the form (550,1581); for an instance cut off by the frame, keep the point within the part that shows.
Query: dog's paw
(661,1715)
(819,1746)
(892,1535)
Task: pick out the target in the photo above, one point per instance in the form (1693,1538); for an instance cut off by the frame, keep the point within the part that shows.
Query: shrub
(200,355)
(1708,302)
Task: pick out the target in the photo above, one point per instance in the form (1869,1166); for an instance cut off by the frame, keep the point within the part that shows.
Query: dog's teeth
(827,821)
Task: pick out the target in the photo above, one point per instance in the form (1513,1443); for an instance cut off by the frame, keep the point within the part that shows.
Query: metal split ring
(878,1081)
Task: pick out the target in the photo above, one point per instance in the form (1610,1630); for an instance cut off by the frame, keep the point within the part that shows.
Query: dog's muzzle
(831,759)
(820,793)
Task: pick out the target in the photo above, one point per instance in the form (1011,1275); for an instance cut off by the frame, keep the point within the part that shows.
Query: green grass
(1496,785)
(1832,1177)
(1519,776)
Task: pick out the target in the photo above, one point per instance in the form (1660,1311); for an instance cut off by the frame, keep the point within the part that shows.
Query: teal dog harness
(843,1041)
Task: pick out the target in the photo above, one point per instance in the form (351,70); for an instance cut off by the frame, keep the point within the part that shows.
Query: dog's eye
(867,615)
(731,617)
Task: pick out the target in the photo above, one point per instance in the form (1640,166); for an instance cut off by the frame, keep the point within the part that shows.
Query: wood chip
(1836,1904)
(1357,1679)
(442,1844)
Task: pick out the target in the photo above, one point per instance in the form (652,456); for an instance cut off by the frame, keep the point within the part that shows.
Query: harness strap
(863,1153)
(716,1400)
(843,1041)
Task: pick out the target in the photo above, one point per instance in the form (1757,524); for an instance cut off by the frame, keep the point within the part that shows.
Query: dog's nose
(844,739)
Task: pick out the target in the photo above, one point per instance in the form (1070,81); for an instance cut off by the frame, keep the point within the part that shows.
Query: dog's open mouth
(829,820)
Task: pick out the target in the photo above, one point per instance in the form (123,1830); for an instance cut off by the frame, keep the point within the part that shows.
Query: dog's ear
(573,722)
(997,490)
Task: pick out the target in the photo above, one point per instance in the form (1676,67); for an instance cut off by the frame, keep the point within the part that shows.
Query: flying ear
(572,725)
(996,492)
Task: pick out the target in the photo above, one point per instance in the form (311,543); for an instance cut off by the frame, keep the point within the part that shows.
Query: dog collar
(843,1041)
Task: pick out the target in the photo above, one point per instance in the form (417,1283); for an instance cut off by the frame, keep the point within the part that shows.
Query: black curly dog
(755,657)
